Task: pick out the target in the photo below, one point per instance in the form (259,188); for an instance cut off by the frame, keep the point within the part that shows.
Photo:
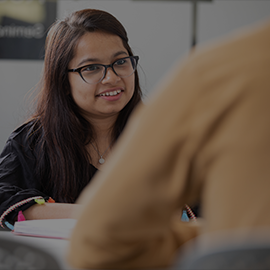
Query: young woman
(89,88)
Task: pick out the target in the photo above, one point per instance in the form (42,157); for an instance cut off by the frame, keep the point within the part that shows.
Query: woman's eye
(91,68)
(121,62)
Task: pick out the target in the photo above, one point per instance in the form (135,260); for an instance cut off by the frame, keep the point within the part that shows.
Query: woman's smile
(111,94)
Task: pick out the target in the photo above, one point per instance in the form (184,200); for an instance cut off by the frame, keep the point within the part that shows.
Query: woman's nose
(110,77)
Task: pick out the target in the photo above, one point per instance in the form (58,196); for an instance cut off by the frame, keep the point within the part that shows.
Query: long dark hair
(61,132)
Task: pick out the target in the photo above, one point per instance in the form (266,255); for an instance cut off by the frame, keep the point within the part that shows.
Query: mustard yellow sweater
(203,137)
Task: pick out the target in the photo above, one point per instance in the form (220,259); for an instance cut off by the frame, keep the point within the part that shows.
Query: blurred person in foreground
(204,137)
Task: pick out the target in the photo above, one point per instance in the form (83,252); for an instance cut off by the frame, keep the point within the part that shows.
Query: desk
(57,247)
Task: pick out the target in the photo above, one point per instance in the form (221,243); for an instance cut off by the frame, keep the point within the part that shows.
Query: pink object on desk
(21,216)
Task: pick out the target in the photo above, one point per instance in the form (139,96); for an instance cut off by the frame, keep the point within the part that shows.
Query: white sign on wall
(23,26)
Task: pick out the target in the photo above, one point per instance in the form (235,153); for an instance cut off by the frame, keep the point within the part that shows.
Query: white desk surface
(57,247)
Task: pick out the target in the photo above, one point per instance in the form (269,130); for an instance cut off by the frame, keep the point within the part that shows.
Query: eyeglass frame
(78,70)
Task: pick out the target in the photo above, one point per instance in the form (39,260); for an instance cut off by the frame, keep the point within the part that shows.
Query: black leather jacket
(17,166)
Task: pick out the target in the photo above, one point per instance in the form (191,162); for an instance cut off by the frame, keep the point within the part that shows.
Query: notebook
(49,228)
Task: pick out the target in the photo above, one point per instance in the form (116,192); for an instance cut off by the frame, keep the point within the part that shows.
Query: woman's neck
(103,128)
(101,144)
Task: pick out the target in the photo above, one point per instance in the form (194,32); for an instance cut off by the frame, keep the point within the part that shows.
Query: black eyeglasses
(95,73)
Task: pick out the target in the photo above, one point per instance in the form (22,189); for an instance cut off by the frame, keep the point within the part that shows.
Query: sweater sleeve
(203,137)
(17,181)
(127,219)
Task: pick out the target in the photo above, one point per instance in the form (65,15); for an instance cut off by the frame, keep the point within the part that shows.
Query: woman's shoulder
(25,131)
(22,140)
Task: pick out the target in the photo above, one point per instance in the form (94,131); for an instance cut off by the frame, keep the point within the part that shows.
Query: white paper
(53,228)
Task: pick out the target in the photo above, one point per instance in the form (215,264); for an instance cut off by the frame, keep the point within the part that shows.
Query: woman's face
(108,97)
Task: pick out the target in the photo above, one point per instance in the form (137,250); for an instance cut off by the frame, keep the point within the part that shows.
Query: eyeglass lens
(123,68)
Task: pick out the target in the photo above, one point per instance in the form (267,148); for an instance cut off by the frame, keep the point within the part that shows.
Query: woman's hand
(52,211)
